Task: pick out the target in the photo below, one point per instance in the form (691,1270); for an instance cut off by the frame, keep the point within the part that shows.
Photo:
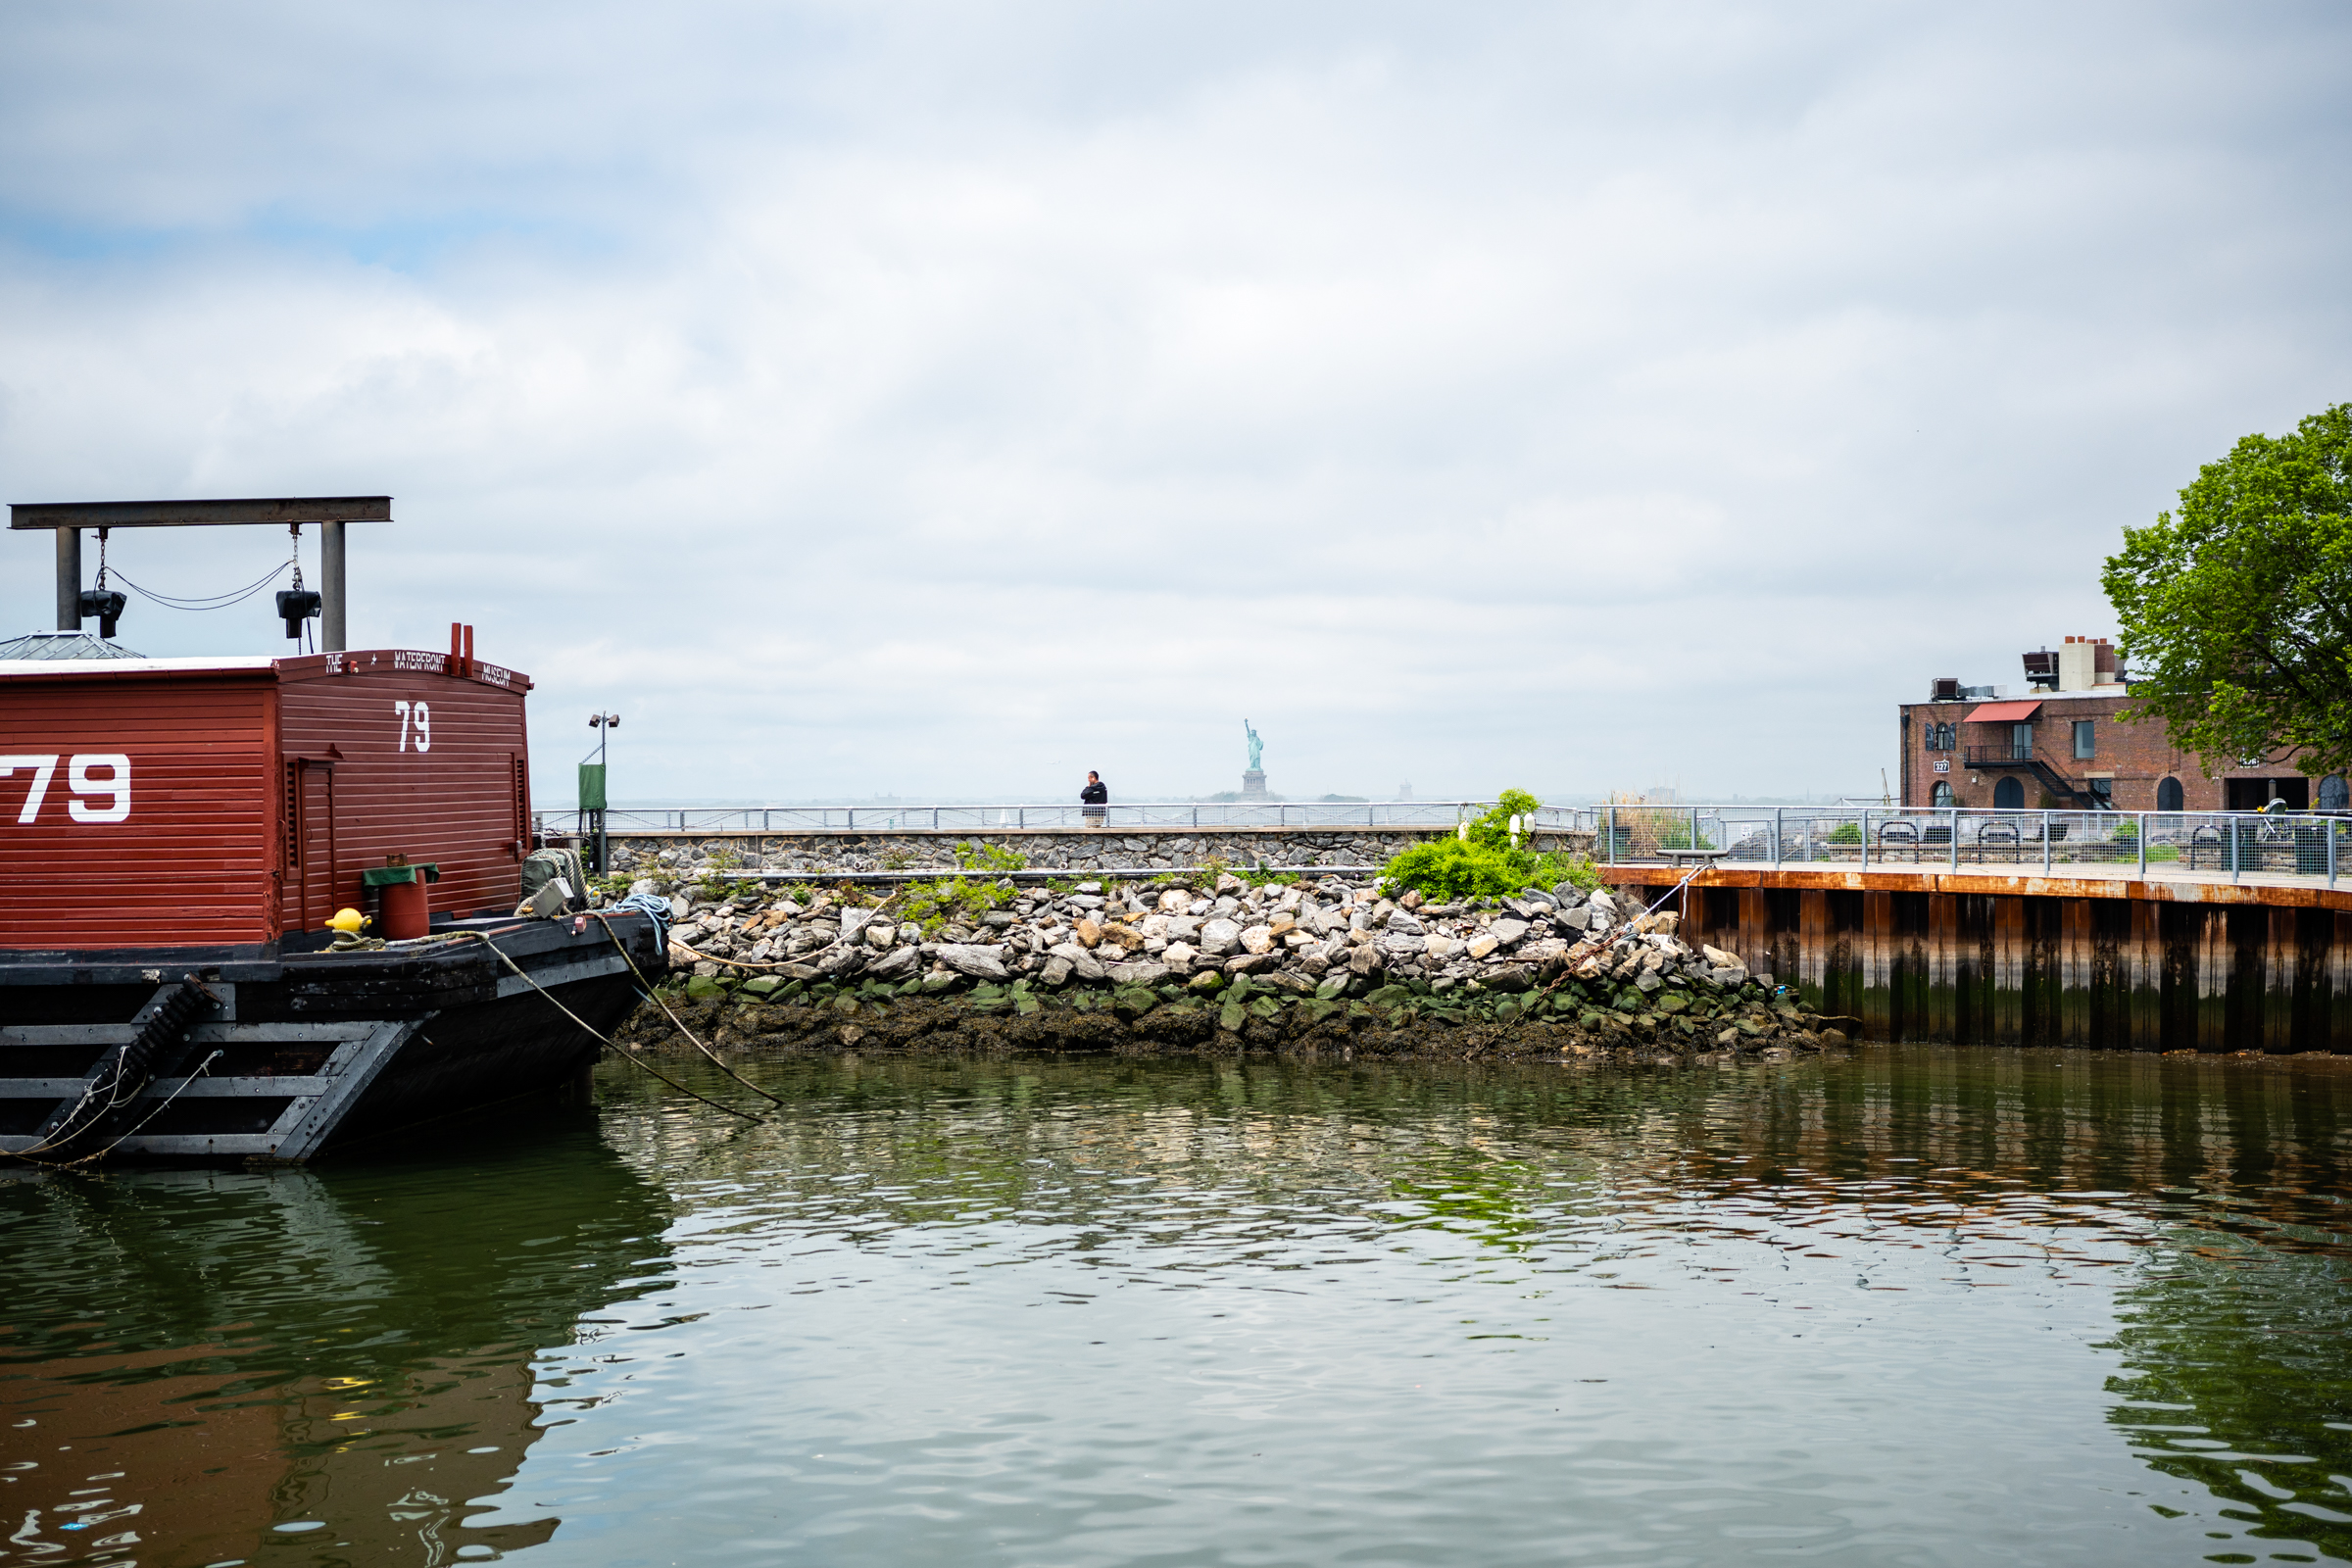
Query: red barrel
(405,911)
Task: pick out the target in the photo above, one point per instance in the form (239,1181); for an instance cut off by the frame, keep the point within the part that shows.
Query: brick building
(2057,743)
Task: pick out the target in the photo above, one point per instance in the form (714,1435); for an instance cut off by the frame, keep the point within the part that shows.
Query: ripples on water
(1914,1307)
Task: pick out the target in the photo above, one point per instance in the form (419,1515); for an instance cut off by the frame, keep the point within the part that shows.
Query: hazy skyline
(945,401)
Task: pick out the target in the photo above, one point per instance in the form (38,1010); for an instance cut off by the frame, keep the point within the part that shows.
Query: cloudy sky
(941,401)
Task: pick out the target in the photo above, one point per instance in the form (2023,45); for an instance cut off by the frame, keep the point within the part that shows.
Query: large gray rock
(1141,972)
(1057,971)
(980,962)
(899,963)
(842,962)
(1507,932)
(1576,920)
(1296,984)
(1219,937)
(881,934)
(1259,939)
(1366,959)
(1083,963)
(1250,964)
(1404,924)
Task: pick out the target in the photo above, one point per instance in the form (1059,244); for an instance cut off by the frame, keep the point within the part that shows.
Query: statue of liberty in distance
(1254,782)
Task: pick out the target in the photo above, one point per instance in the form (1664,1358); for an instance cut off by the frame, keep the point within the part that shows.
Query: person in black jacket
(1095,798)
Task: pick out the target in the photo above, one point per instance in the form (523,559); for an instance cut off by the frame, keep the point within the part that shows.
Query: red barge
(175,835)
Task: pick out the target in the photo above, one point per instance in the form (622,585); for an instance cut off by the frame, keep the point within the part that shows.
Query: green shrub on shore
(1482,861)
(978,888)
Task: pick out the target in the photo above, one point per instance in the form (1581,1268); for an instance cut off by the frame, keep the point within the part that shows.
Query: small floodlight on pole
(592,790)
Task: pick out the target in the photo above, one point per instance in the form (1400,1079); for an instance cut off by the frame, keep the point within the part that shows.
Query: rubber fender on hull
(114,1084)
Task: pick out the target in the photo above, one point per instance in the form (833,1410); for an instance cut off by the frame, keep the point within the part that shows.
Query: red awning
(2003,713)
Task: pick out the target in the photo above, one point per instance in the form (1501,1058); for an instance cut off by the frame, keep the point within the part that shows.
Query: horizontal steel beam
(198,514)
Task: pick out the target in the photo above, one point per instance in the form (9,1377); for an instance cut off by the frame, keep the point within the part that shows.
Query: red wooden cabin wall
(452,789)
(255,795)
(187,858)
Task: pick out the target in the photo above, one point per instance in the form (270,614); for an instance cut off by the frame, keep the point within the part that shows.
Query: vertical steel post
(1776,838)
(1694,830)
(1866,838)
(69,580)
(2045,844)
(2329,825)
(2144,845)
(1955,813)
(1612,829)
(330,593)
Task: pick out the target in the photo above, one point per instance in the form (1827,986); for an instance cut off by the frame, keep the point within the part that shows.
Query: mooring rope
(607,1040)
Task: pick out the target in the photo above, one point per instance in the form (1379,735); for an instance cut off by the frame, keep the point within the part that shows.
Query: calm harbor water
(1915,1305)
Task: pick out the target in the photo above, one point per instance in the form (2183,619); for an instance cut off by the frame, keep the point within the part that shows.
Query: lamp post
(592,790)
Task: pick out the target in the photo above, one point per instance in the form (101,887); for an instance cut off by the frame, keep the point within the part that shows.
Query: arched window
(2333,796)
(1942,795)
(2009,794)
(2168,795)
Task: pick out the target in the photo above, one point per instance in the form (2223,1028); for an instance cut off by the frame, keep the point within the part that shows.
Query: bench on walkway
(1691,856)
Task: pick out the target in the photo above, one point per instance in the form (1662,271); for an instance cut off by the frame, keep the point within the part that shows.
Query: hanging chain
(102,559)
(295,528)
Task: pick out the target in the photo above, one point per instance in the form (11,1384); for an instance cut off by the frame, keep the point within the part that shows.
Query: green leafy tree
(2237,610)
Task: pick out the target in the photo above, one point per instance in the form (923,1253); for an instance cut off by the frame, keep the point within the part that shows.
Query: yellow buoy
(349,921)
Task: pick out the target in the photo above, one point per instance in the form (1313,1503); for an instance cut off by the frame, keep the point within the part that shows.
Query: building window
(1942,795)
(2333,796)
(2021,743)
(2009,796)
(2085,741)
(2168,795)
(2103,794)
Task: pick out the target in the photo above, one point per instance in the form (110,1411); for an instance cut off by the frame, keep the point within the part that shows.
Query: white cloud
(946,400)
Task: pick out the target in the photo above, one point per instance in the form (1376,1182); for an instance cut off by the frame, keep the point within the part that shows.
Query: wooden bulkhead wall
(2107,972)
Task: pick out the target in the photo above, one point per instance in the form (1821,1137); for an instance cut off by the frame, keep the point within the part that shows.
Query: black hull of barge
(310,1051)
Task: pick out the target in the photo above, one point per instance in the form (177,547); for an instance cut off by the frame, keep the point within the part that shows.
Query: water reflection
(312,1365)
(1922,1305)
(2023,1256)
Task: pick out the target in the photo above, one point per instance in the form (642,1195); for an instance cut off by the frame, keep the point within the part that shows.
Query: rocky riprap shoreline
(1560,972)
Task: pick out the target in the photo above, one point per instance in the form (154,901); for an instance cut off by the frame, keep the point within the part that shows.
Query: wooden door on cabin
(312,795)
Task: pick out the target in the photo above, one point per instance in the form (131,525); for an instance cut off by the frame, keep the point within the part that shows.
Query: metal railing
(2234,844)
(1058,815)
